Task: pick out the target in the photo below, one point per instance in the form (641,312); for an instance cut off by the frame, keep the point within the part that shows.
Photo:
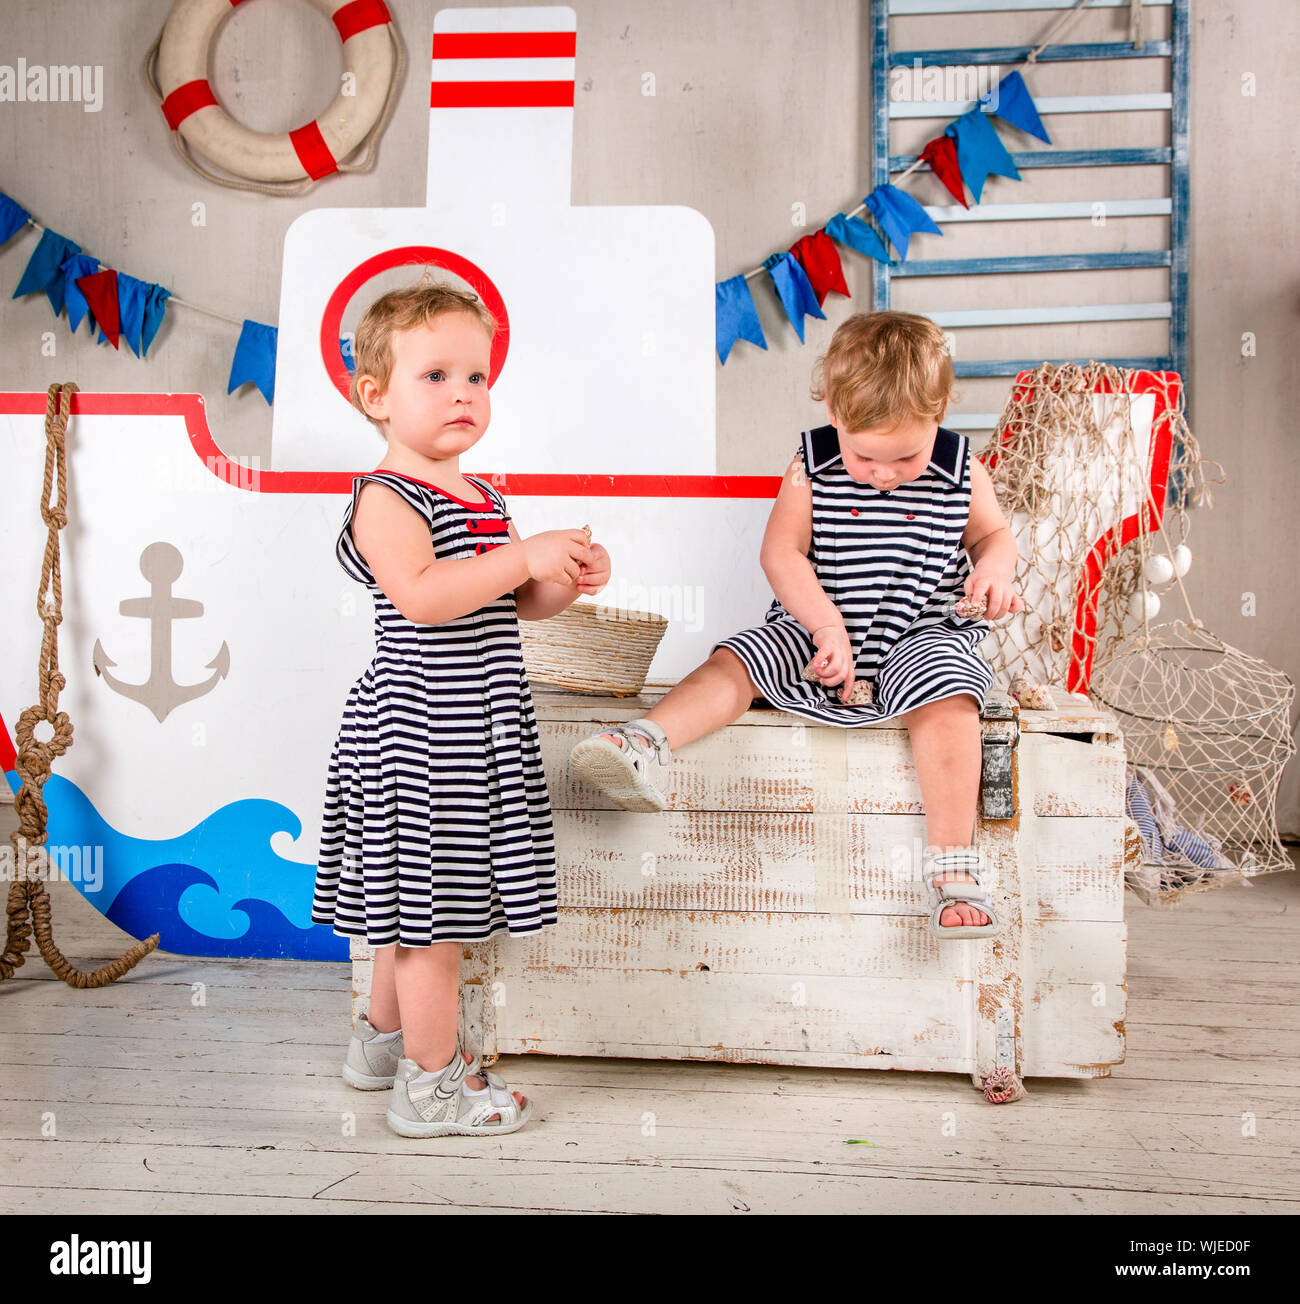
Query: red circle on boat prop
(416,255)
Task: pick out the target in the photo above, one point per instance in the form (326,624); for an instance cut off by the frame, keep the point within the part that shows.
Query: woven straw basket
(589,648)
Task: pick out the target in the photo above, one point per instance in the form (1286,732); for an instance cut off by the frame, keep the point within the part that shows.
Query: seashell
(1240,793)
(1182,560)
(970,608)
(1171,738)
(859,695)
(1032,695)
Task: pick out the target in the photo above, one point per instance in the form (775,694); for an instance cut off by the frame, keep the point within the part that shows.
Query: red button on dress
(853,511)
(911,516)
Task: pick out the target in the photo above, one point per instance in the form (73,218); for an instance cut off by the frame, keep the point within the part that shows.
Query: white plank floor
(161,1106)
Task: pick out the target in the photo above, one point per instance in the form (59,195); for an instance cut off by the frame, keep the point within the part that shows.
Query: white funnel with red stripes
(501,103)
(607,365)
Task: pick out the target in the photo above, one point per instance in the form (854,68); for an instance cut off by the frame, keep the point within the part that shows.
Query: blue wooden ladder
(1175,258)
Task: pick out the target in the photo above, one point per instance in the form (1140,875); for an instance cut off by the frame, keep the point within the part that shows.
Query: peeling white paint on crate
(704,931)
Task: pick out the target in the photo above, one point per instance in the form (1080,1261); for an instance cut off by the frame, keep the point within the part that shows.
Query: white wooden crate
(774,912)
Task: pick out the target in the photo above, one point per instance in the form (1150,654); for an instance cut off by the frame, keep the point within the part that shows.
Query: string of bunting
(122,307)
(968,151)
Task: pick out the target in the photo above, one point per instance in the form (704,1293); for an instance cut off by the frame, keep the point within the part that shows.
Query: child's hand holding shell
(833,663)
(594,574)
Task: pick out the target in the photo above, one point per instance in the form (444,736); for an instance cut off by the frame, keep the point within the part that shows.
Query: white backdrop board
(193,790)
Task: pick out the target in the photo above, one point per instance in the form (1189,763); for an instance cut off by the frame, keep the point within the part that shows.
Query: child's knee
(728,661)
(948,710)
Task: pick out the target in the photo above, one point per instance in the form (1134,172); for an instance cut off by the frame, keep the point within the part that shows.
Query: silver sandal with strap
(634,775)
(958,891)
(370,1064)
(444,1106)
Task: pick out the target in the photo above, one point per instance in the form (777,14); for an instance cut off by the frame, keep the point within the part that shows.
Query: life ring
(370,49)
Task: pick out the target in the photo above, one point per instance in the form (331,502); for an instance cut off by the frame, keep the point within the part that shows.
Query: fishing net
(1082,461)
(1095,468)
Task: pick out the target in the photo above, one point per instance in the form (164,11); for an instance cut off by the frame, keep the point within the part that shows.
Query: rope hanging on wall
(28,905)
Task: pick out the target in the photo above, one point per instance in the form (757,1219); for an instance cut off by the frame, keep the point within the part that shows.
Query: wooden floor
(160,1105)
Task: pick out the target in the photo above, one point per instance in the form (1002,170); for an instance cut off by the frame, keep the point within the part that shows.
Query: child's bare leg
(428,994)
(711,696)
(946,748)
(383,1013)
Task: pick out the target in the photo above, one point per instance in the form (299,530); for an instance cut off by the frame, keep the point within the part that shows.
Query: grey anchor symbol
(161,564)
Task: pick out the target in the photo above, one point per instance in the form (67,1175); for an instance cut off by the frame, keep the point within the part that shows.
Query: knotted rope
(27,896)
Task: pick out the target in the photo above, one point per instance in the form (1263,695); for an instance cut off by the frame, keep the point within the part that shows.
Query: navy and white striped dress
(892,562)
(437,822)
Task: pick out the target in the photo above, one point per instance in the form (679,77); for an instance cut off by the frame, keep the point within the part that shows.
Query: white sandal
(444,1106)
(634,775)
(943,895)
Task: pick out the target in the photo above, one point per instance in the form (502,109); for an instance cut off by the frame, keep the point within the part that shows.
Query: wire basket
(589,648)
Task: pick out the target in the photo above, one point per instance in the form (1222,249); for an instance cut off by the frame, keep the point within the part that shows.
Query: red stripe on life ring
(360,15)
(186,99)
(503,94)
(313,153)
(504,45)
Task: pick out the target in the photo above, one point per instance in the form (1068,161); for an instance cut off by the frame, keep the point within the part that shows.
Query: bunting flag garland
(899,214)
(155,306)
(13,217)
(855,233)
(979,151)
(120,306)
(793,289)
(1016,107)
(964,156)
(941,155)
(100,290)
(967,153)
(737,316)
(820,261)
(42,270)
(77,265)
(255,359)
(132,294)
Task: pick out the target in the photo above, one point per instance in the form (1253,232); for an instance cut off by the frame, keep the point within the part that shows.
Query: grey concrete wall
(761,105)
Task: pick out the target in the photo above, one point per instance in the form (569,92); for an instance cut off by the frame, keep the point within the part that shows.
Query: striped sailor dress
(892,562)
(437,823)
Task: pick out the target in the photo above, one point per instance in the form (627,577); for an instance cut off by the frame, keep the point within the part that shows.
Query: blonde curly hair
(882,368)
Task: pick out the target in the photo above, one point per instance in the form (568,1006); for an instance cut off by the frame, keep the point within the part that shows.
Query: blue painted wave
(216,890)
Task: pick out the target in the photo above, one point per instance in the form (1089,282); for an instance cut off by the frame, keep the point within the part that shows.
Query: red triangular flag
(941,155)
(100,290)
(820,261)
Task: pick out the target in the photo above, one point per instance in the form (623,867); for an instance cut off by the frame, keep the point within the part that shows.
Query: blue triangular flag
(254,359)
(42,270)
(899,214)
(737,318)
(73,266)
(795,290)
(132,295)
(855,233)
(349,358)
(979,151)
(155,307)
(1015,105)
(13,217)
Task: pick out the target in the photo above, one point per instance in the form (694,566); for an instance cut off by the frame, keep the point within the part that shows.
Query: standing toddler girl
(867,552)
(437,826)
